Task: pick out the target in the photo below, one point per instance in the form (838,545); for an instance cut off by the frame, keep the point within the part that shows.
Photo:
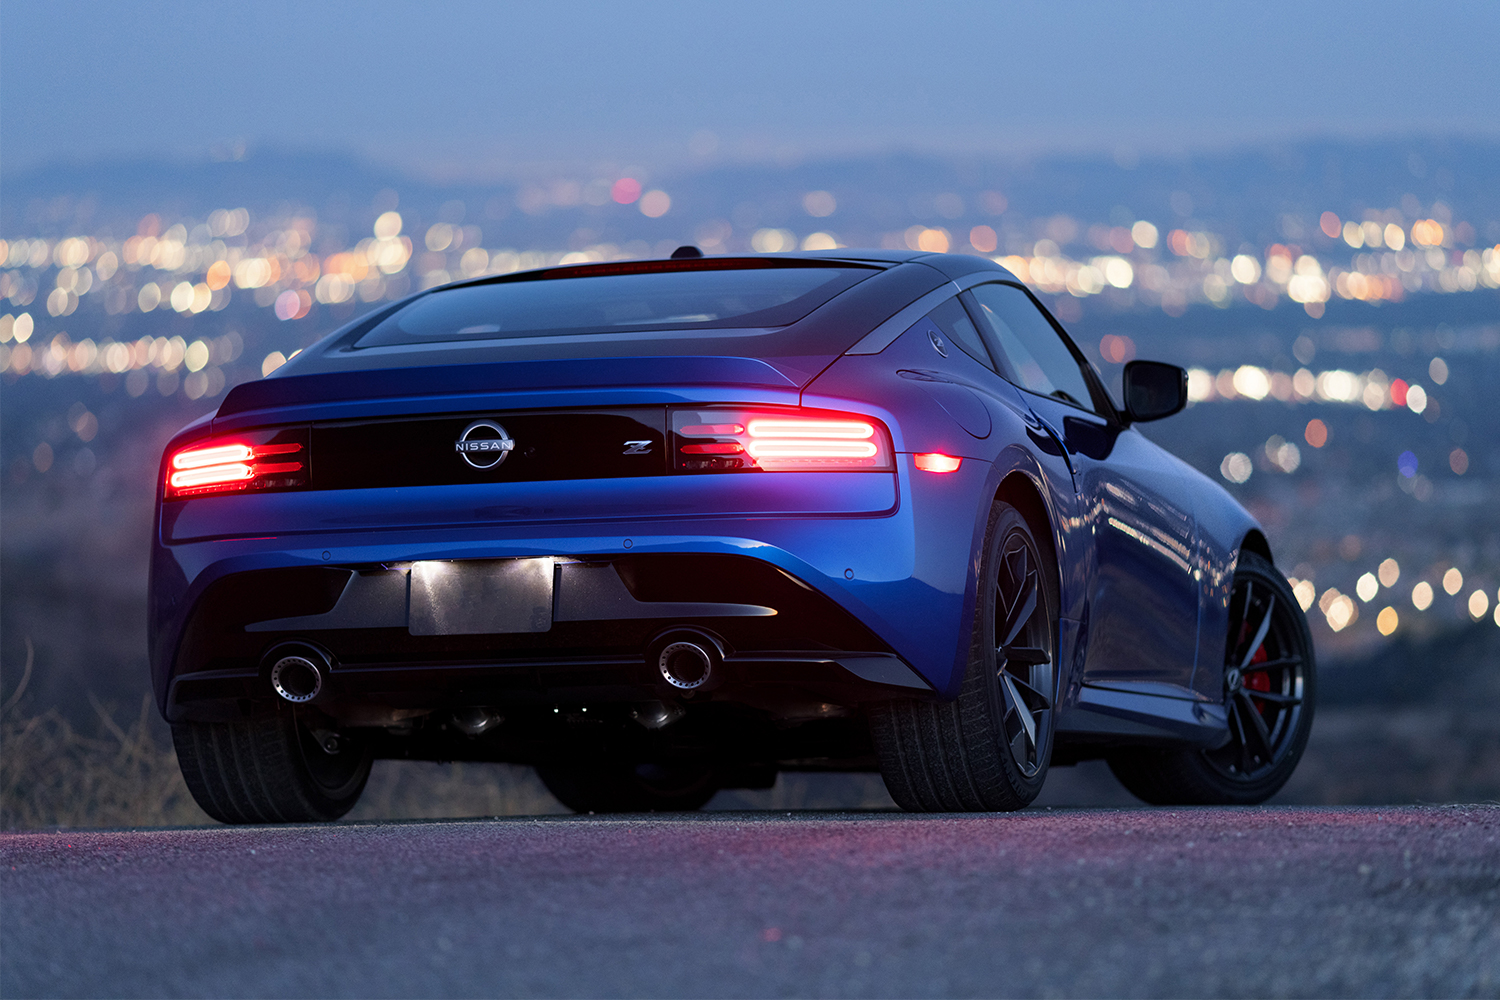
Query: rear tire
(1270,685)
(989,749)
(270,770)
(629,787)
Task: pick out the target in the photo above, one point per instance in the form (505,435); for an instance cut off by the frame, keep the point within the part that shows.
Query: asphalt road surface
(1132,902)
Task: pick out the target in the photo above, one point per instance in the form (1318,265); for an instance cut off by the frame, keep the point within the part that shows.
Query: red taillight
(936,462)
(713,448)
(786,441)
(257,460)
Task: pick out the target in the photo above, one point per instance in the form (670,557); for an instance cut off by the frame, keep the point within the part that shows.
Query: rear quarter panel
(949,512)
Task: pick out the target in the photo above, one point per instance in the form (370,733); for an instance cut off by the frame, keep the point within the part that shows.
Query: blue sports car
(658,528)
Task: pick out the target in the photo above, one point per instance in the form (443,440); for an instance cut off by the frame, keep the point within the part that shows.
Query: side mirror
(1154,389)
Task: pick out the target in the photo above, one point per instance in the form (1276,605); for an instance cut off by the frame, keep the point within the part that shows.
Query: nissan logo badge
(484,444)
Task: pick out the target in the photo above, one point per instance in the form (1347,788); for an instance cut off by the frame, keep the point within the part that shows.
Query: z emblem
(637,448)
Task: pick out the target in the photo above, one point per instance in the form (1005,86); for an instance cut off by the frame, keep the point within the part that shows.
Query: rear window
(698,299)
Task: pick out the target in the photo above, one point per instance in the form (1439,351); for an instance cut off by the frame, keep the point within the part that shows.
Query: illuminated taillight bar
(737,439)
(197,458)
(256,460)
(811,448)
(211,475)
(817,429)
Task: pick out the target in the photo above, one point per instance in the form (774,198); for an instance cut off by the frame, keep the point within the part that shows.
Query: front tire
(989,749)
(1270,684)
(278,770)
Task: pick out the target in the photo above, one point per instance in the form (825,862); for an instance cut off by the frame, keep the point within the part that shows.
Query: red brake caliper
(1257,680)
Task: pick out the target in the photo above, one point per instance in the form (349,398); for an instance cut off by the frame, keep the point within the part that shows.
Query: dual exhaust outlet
(685,658)
(299,671)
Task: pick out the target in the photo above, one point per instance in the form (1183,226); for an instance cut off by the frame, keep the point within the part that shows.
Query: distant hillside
(1245,194)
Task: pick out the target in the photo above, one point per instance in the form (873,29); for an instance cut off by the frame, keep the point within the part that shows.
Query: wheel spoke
(1017,704)
(1273,697)
(1235,716)
(1244,615)
(1015,566)
(1257,729)
(1285,661)
(1029,694)
(1260,632)
(1021,609)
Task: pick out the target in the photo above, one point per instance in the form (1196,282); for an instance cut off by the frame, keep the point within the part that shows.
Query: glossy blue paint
(1143,602)
(1144,547)
(1222,527)
(901,584)
(499,505)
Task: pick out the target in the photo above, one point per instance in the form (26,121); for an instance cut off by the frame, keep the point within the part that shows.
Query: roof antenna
(685,252)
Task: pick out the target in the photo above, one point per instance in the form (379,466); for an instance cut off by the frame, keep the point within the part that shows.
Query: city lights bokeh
(286,267)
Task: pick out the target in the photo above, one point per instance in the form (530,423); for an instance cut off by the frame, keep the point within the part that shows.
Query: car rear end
(627,535)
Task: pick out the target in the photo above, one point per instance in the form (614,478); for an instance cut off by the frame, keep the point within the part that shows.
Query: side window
(1036,356)
(953,319)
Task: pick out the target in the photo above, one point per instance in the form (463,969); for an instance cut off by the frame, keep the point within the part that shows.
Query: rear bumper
(378,694)
(880,561)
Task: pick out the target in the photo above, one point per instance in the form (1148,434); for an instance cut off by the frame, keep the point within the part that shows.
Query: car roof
(798,350)
(951,265)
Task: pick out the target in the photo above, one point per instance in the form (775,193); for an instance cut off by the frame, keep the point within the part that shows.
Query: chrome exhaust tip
(476,720)
(686,663)
(298,673)
(297,679)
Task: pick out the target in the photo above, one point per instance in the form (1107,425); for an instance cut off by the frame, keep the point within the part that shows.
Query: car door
(1140,621)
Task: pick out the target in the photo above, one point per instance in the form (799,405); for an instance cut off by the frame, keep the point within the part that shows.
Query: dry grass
(52,775)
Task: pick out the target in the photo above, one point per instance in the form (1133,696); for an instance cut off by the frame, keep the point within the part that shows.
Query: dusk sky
(490,88)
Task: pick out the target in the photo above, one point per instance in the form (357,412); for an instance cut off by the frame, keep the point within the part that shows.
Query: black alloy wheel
(989,749)
(1023,656)
(1270,680)
(292,768)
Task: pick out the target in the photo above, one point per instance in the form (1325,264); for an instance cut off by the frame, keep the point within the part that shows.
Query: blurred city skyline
(496,91)
(1336,301)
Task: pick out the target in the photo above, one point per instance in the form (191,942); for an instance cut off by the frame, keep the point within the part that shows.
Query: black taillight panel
(492,447)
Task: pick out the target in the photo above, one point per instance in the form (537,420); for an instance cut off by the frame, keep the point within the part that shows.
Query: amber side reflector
(936,462)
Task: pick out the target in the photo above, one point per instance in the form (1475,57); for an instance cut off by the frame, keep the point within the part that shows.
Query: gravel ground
(1272,901)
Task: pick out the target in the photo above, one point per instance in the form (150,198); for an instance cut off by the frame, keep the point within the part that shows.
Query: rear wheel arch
(1255,541)
(1020,492)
